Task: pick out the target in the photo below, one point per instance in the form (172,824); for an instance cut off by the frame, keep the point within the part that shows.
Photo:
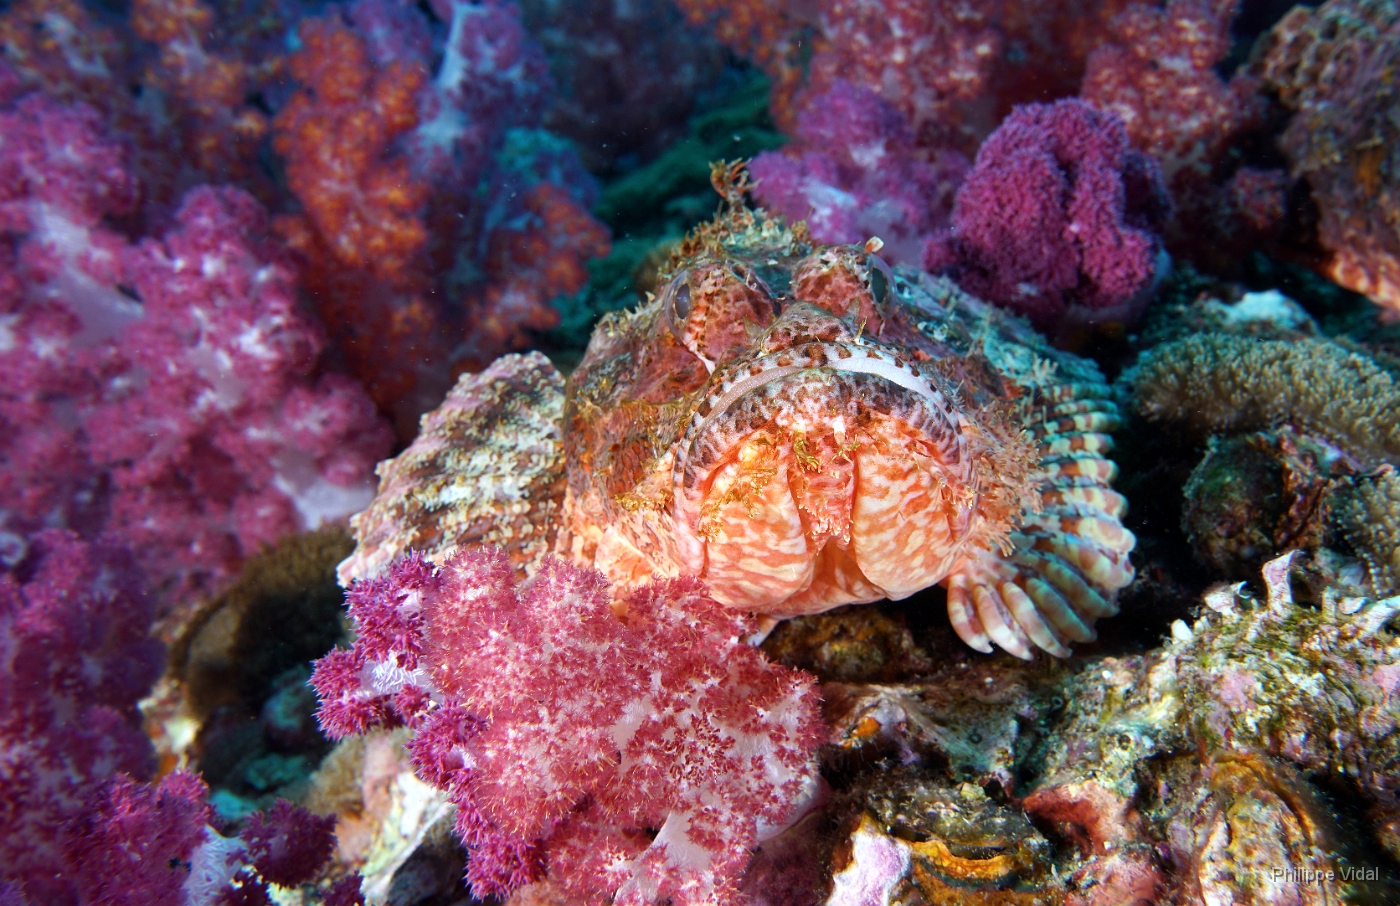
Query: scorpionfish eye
(717,309)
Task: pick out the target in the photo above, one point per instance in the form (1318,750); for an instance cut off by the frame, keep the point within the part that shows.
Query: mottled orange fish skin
(802,427)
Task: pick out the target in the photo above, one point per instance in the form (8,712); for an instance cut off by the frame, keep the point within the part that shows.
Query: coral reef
(1329,66)
(187,101)
(658,717)
(1157,69)
(1166,776)
(666,197)
(649,607)
(1057,218)
(206,76)
(852,644)
(1305,684)
(154,844)
(1372,523)
(1254,496)
(944,76)
(1218,382)
(384,814)
(952,70)
(76,660)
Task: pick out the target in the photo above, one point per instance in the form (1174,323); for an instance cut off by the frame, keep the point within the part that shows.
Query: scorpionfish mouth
(830,471)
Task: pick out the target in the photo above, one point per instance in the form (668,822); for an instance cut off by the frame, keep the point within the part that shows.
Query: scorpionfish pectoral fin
(1061,568)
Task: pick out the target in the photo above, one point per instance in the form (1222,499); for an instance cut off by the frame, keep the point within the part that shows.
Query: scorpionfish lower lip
(827,475)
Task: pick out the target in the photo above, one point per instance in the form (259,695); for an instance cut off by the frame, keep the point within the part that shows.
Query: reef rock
(800,427)
(1319,474)
(1205,771)
(1333,67)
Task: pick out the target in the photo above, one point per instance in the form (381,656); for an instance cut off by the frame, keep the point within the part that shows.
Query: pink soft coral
(644,754)
(1056,218)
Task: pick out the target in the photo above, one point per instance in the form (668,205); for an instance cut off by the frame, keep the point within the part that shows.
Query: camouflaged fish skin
(803,427)
(799,426)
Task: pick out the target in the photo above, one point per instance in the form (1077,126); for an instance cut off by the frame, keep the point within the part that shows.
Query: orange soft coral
(59,45)
(532,264)
(208,87)
(361,228)
(359,199)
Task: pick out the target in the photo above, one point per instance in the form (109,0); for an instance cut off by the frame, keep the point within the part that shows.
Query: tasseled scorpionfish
(801,427)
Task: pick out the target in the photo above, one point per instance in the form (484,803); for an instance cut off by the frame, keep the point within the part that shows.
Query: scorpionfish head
(802,428)
(818,466)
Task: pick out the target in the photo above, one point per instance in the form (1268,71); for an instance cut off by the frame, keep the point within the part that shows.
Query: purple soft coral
(564,732)
(854,173)
(142,844)
(1056,218)
(75,656)
(77,823)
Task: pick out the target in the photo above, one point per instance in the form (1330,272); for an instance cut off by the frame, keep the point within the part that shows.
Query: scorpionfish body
(803,427)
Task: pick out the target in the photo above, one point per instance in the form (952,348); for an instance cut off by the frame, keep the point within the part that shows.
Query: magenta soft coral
(75,657)
(1056,220)
(644,754)
(166,390)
